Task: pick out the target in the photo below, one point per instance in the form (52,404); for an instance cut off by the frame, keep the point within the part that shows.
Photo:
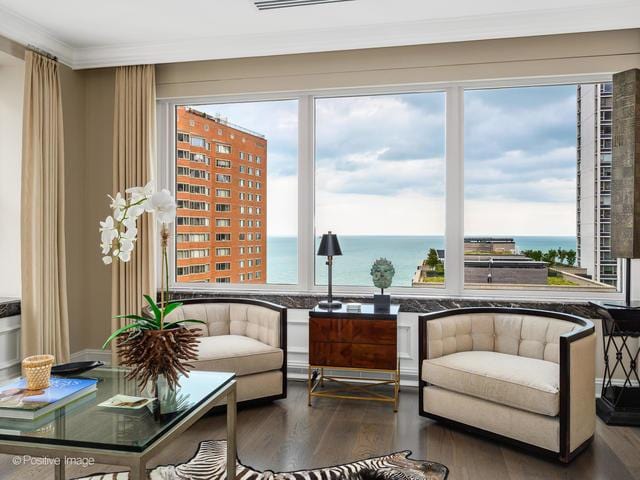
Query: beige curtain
(45,325)
(133,165)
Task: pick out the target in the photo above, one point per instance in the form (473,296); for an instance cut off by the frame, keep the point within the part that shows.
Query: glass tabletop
(83,423)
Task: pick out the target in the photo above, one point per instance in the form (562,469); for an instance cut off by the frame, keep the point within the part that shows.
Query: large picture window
(467,189)
(537,188)
(224,207)
(380,185)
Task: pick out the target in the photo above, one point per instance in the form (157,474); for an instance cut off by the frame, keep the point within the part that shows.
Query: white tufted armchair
(519,375)
(245,336)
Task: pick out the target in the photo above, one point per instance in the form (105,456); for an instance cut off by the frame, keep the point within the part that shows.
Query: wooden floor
(288,435)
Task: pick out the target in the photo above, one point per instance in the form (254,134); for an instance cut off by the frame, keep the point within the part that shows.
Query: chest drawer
(378,332)
(330,329)
(330,354)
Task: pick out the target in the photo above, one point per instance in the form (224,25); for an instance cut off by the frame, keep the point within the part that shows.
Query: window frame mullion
(454,191)
(306,192)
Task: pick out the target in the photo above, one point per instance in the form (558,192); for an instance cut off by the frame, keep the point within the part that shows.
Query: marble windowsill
(9,307)
(407,304)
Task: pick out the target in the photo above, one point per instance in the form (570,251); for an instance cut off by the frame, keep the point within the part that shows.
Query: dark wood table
(354,342)
(619,402)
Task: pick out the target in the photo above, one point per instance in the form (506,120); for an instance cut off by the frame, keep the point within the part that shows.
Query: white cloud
(380,167)
(369,173)
(489,217)
(407,213)
(282,206)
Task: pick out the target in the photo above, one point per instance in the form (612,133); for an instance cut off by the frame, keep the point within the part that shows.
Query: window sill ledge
(410,304)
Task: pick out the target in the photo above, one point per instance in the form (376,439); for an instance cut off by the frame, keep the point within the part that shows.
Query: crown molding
(26,32)
(619,15)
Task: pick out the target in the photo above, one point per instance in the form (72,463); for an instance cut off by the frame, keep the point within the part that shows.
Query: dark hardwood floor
(288,435)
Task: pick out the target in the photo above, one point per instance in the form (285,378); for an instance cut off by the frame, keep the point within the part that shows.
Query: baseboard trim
(615,382)
(10,370)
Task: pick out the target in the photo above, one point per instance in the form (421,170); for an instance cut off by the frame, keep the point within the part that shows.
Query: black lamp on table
(329,247)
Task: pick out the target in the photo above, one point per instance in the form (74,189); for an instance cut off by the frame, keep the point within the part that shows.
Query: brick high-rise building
(221,186)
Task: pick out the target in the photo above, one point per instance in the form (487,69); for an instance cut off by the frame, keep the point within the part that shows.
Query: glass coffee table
(82,430)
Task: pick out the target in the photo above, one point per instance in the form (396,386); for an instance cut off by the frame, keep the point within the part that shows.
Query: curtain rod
(44,53)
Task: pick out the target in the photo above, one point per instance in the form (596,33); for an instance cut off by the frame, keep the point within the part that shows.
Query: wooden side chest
(365,340)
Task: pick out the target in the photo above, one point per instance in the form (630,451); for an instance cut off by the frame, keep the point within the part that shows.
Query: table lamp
(329,247)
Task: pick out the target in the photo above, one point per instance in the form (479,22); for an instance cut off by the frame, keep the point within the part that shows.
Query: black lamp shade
(329,246)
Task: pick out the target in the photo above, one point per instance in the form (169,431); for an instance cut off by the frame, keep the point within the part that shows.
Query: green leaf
(118,332)
(154,307)
(170,307)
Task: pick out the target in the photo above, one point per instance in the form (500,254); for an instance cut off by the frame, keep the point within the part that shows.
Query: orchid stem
(164,235)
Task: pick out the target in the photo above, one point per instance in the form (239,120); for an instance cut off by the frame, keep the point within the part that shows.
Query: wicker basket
(37,370)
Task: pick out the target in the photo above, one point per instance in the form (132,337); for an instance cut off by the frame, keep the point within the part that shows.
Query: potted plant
(382,272)
(152,347)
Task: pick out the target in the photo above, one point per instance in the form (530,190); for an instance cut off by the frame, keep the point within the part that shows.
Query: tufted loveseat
(518,375)
(245,336)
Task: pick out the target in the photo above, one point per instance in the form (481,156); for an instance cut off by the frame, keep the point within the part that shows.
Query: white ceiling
(91,33)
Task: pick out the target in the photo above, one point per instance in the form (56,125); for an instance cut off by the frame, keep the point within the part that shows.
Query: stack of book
(16,401)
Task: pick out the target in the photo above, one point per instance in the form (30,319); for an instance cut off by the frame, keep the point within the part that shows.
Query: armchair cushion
(237,353)
(526,383)
(216,316)
(257,322)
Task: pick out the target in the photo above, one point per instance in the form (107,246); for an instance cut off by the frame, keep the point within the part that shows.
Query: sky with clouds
(380,162)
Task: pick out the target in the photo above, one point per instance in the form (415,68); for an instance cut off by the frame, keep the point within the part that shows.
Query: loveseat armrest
(577,390)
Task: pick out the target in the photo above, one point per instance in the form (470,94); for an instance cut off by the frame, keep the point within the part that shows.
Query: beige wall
(11,88)
(88,124)
(99,111)
(599,52)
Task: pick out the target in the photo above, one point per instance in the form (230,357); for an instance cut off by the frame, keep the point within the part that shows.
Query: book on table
(16,401)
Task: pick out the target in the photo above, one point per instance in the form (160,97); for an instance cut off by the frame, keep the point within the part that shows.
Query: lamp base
(328,304)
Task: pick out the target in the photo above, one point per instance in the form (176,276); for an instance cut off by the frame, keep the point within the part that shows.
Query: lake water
(359,252)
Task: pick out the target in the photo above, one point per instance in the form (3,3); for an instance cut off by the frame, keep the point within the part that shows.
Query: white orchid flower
(106,247)
(129,222)
(130,234)
(126,246)
(120,231)
(138,193)
(107,237)
(118,204)
(135,211)
(164,206)
(108,230)
(124,256)
(107,224)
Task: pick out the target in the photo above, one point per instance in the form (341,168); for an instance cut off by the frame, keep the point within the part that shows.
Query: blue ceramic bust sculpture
(382,273)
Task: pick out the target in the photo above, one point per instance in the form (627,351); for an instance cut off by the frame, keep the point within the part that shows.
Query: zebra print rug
(210,464)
